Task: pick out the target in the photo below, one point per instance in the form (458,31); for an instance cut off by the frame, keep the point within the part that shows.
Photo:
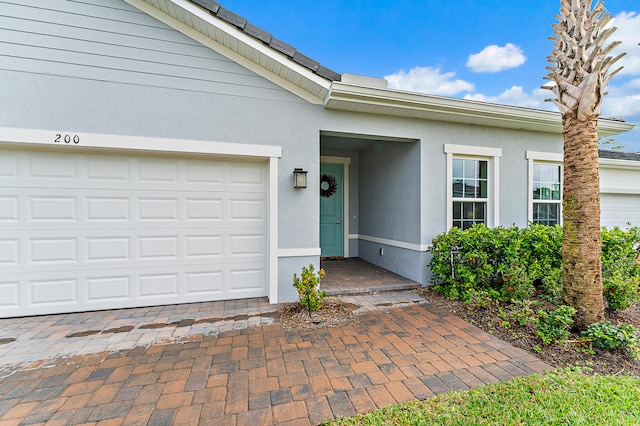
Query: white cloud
(495,58)
(628,24)
(428,80)
(623,101)
(516,96)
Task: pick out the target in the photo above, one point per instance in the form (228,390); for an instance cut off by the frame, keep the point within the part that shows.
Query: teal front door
(331,210)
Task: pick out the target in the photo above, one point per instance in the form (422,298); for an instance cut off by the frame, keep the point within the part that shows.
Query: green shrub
(621,292)
(502,261)
(510,263)
(542,247)
(479,299)
(308,286)
(523,312)
(621,267)
(553,327)
(516,284)
(605,335)
(551,286)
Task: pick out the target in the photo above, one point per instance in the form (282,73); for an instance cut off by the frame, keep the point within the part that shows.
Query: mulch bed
(334,313)
(558,355)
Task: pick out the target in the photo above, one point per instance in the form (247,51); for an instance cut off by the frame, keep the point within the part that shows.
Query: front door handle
(338,220)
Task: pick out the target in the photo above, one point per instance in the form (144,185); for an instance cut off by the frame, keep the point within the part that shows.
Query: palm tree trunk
(581,246)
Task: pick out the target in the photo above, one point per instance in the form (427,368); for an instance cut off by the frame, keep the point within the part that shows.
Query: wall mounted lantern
(299,178)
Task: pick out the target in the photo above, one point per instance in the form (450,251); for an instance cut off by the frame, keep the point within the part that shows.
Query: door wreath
(328,186)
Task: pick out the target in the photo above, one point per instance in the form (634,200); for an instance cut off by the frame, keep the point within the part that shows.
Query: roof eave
(370,100)
(225,37)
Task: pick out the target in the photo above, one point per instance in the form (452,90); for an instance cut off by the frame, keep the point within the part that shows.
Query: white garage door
(620,209)
(85,232)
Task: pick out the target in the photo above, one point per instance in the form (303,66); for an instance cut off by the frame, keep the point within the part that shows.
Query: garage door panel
(46,292)
(158,285)
(53,170)
(109,288)
(52,208)
(107,170)
(21,251)
(60,168)
(204,246)
(9,291)
(112,208)
(9,209)
(9,161)
(199,209)
(84,232)
(158,209)
(204,283)
(52,250)
(246,279)
(620,210)
(9,252)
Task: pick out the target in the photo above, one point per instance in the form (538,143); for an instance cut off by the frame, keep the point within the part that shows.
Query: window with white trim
(546,194)
(469,178)
(545,187)
(473,186)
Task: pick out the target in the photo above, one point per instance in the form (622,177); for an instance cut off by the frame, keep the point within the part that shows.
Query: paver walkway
(232,372)
(354,275)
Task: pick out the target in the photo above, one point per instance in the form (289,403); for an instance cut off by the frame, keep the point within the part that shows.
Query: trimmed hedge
(511,263)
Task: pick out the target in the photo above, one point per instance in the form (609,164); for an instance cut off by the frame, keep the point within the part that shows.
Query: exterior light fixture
(299,178)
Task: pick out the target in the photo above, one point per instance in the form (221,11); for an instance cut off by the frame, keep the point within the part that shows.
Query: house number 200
(66,138)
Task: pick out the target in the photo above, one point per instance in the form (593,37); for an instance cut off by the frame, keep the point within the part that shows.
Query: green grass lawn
(562,397)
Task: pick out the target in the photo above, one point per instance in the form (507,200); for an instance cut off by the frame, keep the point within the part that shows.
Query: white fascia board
(39,139)
(608,163)
(350,97)
(614,163)
(241,39)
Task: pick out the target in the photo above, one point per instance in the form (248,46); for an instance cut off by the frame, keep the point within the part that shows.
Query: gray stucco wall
(390,191)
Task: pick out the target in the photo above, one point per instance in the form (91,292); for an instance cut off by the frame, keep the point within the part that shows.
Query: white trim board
(299,252)
(553,157)
(627,191)
(273,230)
(392,243)
(38,139)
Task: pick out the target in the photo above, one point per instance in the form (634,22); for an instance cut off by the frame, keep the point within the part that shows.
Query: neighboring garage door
(619,209)
(83,232)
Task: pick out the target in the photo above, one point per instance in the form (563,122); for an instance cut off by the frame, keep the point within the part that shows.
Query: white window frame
(551,158)
(492,157)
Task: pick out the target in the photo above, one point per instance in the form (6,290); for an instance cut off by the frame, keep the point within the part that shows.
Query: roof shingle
(265,37)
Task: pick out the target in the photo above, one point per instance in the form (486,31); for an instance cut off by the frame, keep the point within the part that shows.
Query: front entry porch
(354,276)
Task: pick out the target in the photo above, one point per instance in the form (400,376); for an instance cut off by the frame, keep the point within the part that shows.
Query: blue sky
(490,50)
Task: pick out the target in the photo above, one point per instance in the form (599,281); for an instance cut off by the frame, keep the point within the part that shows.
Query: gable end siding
(108,40)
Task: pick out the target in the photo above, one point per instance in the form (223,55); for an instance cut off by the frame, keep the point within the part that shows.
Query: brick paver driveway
(256,373)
